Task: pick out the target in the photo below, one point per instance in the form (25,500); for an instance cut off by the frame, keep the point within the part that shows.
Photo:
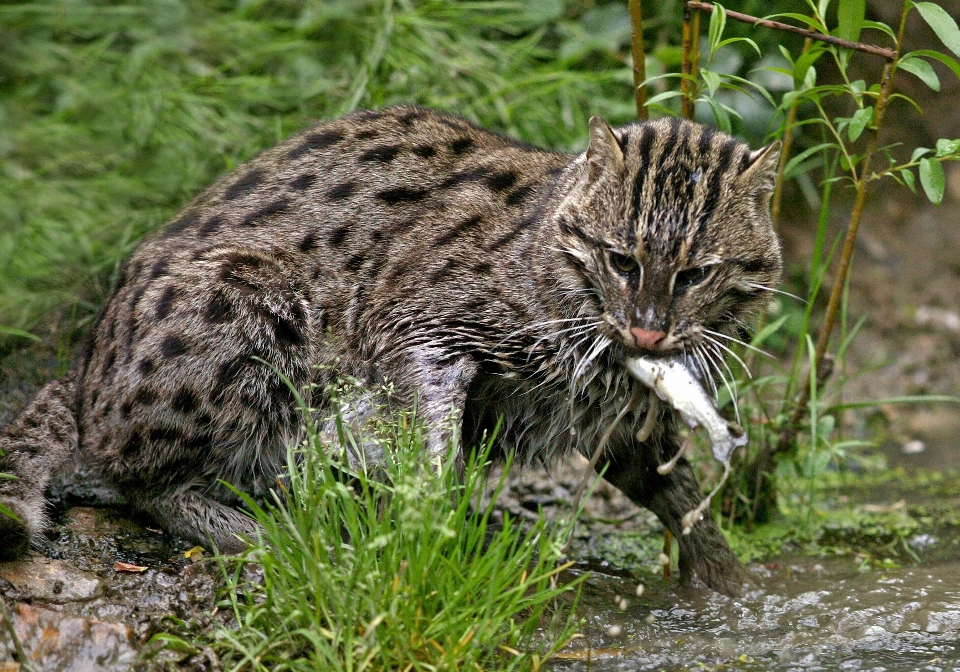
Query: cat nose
(648,339)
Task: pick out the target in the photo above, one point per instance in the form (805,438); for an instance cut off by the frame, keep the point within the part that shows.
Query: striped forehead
(679,171)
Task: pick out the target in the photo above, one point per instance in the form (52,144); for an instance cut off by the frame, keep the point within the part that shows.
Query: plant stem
(785,151)
(639,59)
(686,98)
(889,54)
(18,647)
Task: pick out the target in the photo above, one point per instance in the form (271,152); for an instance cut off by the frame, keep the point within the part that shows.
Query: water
(804,614)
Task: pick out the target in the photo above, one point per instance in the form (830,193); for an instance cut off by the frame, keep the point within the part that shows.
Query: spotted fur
(474,272)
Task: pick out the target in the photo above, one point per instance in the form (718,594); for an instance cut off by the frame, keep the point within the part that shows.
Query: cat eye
(690,278)
(624,263)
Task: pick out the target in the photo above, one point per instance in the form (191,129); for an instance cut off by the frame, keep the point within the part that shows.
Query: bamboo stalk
(639,59)
(889,54)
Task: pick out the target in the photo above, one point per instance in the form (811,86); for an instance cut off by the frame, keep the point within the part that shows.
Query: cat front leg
(704,553)
(436,382)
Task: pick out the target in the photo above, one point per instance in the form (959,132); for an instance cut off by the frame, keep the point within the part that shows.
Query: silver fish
(675,384)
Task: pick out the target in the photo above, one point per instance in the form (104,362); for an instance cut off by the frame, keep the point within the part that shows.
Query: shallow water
(804,614)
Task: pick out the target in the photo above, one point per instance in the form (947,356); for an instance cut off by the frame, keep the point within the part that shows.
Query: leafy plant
(394,568)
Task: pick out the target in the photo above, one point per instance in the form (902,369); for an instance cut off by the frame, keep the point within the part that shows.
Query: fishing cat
(488,278)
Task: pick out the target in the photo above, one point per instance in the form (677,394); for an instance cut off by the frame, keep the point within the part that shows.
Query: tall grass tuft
(394,568)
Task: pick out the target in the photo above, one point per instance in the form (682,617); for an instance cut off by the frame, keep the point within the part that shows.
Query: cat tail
(37,444)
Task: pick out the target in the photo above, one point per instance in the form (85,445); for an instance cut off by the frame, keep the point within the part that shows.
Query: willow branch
(849,243)
(889,54)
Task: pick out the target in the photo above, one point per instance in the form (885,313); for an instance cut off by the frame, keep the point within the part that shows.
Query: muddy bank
(100,587)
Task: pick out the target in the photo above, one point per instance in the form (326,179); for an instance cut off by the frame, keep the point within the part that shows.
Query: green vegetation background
(112,116)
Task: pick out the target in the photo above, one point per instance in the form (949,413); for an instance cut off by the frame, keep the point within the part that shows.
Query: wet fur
(411,247)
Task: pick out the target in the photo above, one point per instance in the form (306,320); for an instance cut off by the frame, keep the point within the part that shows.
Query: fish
(674,383)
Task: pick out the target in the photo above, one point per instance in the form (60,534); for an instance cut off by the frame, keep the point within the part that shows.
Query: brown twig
(639,59)
(695,46)
(889,54)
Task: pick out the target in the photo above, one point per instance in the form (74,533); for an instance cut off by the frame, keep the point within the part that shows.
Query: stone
(42,579)
(67,643)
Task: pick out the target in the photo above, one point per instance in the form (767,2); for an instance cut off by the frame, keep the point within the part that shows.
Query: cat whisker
(538,325)
(555,334)
(739,342)
(705,368)
(598,347)
(719,344)
(729,383)
(755,285)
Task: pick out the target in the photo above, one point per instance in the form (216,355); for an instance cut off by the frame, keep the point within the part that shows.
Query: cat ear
(762,171)
(604,151)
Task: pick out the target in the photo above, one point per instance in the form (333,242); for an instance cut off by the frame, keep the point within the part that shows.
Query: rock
(66,643)
(52,581)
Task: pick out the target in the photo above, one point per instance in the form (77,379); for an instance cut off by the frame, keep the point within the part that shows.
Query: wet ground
(810,614)
(100,588)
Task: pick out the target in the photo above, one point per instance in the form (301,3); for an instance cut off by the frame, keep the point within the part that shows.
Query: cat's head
(667,230)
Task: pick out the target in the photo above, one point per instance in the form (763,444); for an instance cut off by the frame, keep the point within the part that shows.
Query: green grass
(395,569)
(112,116)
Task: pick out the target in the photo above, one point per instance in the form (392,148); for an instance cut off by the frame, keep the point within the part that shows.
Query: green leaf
(947,147)
(711,79)
(792,164)
(850,15)
(923,70)
(822,7)
(907,399)
(811,21)
(860,120)
(718,20)
(801,67)
(943,58)
(732,40)
(666,95)
(882,27)
(8,512)
(909,179)
(768,331)
(918,152)
(720,115)
(941,23)
(933,180)
(826,425)
(788,57)
(816,463)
